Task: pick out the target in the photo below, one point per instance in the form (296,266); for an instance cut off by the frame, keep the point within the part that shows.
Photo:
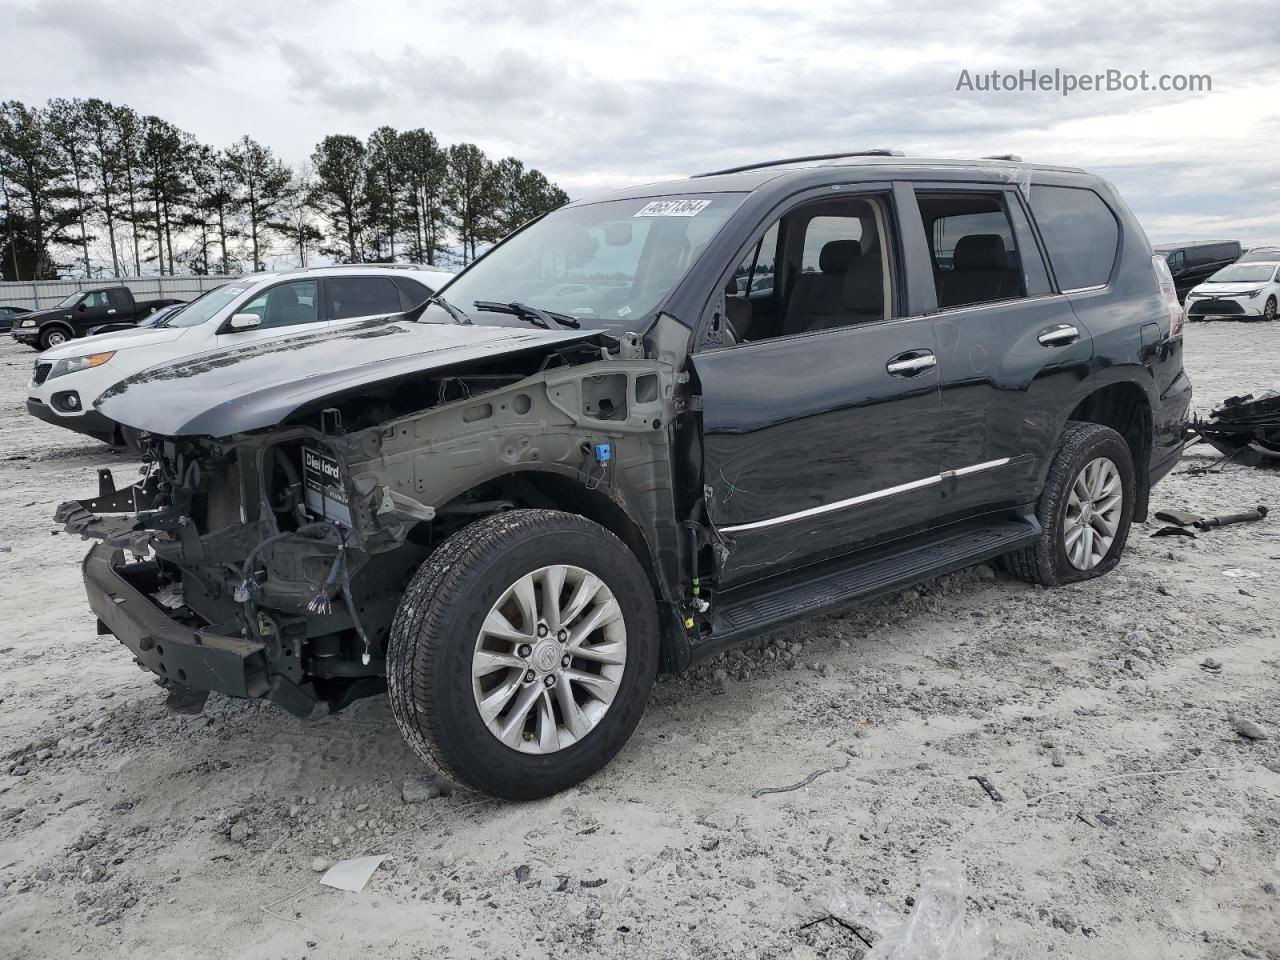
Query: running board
(807,593)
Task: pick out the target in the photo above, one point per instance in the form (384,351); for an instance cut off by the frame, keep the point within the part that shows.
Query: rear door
(821,411)
(1011,352)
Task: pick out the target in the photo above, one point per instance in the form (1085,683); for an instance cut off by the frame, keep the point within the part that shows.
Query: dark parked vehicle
(511,517)
(10,314)
(80,312)
(156,319)
(1193,263)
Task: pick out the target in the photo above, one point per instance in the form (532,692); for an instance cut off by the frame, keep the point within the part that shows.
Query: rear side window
(975,255)
(415,292)
(362,297)
(1080,233)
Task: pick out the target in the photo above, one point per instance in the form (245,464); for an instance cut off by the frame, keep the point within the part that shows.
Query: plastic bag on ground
(935,929)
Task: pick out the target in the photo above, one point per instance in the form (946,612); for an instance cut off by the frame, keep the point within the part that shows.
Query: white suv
(67,379)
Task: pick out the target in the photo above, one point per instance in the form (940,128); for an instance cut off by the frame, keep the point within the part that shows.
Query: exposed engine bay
(288,549)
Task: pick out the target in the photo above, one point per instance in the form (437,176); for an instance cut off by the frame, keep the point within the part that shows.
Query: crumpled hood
(238,389)
(118,340)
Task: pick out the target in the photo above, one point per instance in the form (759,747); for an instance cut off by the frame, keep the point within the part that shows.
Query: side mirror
(245,321)
(81,307)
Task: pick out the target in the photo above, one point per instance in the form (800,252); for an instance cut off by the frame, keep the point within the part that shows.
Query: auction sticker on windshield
(672,208)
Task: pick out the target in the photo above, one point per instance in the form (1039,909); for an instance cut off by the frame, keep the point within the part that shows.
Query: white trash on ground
(351,875)
(935,929)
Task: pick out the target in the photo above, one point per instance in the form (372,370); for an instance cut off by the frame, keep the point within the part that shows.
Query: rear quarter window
(1080,233)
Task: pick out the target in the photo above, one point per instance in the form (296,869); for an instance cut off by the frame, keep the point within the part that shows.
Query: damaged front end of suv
(280,518)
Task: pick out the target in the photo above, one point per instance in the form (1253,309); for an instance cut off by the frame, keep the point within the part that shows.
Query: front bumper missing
(197,658)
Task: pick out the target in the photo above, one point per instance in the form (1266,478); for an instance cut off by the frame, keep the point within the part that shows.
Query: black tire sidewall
(46,338)
(469,747)
(1107,443)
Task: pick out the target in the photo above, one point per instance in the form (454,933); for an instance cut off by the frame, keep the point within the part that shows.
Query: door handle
(111,313)
(911,363)
(1059,335)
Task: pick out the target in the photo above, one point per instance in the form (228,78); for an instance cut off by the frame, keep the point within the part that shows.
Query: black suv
(639,429)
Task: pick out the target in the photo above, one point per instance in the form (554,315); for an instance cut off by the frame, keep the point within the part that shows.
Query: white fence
(46,293)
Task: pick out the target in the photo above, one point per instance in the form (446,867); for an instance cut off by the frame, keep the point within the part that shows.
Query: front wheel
(53,337)
(523,652)
(1269,309)
(1085,509)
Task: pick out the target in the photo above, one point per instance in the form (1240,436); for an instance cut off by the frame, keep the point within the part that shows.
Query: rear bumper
(197,658)
(91,422)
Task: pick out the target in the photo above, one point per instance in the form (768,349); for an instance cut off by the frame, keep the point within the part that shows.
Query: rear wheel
(523,652)
(1085,509)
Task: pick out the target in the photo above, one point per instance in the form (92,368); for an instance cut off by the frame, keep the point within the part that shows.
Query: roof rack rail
(1010,157)
(873,152)
(382,266)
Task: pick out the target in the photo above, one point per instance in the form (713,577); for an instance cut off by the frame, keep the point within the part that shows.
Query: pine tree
(469,195)
(340,197)
(69,134)
(264,186)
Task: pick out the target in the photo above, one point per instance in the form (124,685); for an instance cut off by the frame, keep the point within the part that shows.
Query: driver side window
(286,305)
(822,266)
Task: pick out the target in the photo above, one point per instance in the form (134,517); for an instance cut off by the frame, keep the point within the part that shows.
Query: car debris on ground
(1245,429)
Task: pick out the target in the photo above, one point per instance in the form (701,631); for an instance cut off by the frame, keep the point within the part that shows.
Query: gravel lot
(1136,821)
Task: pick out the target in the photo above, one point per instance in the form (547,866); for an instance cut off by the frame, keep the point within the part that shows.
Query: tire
(1047,562)
(130,439)
(437,633)
(1269,309)
(53,337)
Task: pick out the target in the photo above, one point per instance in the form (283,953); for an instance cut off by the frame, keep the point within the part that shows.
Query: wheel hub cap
(546,656)
(549,659)
(1092,519)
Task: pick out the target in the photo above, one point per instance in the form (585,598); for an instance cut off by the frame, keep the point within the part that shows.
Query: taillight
(1170,293)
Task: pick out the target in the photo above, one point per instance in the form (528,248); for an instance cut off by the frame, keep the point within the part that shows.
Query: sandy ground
(1136,822)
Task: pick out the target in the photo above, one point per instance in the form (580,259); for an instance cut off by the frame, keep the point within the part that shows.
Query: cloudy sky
(603,93)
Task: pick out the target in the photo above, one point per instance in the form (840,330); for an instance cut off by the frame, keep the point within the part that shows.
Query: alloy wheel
(549,659)
(1092,519)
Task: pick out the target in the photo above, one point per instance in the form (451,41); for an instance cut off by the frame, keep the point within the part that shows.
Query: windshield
(1243,273)
(70,301)
(608,264)
(204,307)
(161,317)
(1271,254)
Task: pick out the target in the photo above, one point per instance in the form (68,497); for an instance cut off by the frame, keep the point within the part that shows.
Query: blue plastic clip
(604,452)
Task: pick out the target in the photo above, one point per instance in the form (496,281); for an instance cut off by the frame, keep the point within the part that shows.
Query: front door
(91,311)
(295,306)
(820,405)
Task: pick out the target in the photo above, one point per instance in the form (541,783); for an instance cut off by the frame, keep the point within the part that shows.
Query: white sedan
(67,379)
(1240,290)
